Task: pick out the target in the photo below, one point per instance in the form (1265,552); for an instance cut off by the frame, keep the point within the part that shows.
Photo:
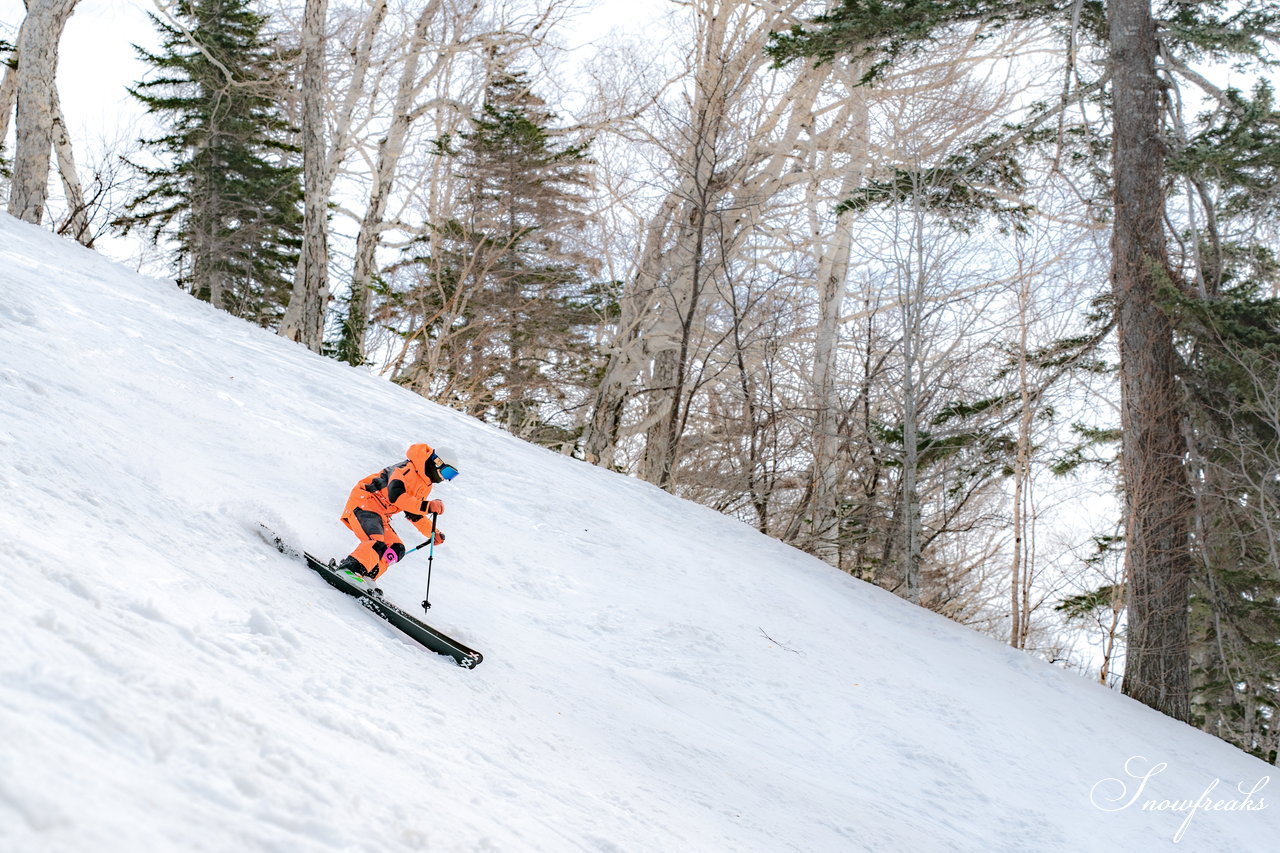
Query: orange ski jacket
(403,487)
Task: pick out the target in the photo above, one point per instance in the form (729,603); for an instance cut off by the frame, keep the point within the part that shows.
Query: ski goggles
(447,471)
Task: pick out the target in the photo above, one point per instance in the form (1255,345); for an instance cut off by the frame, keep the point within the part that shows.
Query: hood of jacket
(418,455)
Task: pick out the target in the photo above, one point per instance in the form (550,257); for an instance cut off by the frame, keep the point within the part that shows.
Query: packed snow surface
(657,677)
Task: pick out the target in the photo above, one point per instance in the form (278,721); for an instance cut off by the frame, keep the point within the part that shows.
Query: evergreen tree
(1160,511)
(228,192)
(504,300)
(1228,159)
(1233,376)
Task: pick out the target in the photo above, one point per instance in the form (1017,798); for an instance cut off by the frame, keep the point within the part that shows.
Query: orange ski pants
(368,520)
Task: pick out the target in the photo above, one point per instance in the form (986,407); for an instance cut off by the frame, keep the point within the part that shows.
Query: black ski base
(420,631)
(426,635)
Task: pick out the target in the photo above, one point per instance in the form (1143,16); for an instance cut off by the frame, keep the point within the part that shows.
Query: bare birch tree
(37,66)
(730,155)
(833,251)
(405,110)
(303,320)
(76,223)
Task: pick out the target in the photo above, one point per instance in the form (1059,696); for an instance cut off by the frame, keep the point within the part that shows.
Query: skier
(402,487)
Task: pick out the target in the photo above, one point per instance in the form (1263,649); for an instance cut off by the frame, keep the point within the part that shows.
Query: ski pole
(431,553)
(415,548)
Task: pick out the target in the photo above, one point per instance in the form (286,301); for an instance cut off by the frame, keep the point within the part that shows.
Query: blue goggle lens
(448,472)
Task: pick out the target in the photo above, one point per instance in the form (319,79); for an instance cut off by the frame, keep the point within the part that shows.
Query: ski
(425,635)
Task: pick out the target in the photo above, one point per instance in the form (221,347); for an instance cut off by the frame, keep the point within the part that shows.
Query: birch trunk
(8,96)
(664,299)
(304,319)
(361,58)
(833,271)
(671,338)
(390,149)
(77,221)
(37,66)
(627,351)
(1020,572)
(912,306)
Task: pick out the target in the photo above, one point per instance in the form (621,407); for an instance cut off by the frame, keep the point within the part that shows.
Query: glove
(439,540)
(429,507)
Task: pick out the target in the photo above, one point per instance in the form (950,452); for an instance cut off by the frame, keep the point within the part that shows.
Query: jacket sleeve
(411,502)
(422,522)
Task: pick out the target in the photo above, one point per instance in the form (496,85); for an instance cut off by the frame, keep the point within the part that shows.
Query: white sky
(96,63)
(97,59)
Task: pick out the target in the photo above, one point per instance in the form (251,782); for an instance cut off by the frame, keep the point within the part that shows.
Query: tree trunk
(627,351)
(1020,574)
(390,149)
(8,96)
(37,65)
(708,118)
(304,319)
(77,221)
(833,269)
(1157,493)
(914,275)
(910,459)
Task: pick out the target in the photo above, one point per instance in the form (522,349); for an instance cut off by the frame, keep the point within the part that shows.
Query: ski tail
(273,539)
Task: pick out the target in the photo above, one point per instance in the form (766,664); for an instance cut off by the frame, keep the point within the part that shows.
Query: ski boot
(351,571)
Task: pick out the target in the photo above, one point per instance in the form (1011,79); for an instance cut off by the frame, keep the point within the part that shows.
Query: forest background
(867,304)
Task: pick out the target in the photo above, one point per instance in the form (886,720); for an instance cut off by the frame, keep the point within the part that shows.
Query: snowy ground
(170,683)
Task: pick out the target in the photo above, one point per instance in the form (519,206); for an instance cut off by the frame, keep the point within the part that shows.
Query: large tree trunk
(1020,572)
(304,319)
(711,93)
(37,65)
(912,341)
(320,166)
(823,516)
(627,352)
(1157,493)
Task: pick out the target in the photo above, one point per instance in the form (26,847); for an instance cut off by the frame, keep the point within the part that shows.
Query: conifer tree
(505,298)
(1149,45)
(1229,326)
(1234,380)
(228,191)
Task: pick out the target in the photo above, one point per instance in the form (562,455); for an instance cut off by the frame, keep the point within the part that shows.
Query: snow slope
(168,682)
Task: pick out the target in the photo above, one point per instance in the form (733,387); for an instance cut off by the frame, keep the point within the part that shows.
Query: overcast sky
(97,59)
(96,63)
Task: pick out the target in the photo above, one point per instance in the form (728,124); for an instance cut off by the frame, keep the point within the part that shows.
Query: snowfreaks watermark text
(1116,795)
